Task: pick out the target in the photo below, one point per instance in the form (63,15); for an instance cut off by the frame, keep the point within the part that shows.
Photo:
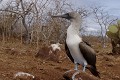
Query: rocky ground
(21,58)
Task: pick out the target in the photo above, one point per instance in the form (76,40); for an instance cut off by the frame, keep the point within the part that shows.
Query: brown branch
(12,12)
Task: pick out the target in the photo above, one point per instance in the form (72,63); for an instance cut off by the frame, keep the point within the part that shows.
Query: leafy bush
(114,34)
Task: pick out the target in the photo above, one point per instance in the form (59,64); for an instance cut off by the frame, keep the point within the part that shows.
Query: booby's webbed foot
(73,76)
(68,71)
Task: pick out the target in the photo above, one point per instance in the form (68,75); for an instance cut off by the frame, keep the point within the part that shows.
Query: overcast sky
(111,6)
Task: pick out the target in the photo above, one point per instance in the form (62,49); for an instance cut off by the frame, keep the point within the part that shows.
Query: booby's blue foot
(73,76)
(68,71)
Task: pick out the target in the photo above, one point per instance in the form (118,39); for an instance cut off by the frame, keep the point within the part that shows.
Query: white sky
(111,6)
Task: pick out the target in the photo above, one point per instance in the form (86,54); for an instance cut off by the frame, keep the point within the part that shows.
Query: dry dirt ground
(21,58)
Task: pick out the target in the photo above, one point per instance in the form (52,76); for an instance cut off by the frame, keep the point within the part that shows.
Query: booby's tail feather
(94,71)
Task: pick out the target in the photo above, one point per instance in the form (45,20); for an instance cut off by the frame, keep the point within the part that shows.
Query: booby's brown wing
(88,53)
(87,43)
(68,53)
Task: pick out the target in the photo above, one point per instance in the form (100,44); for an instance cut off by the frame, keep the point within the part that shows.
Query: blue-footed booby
(77,50)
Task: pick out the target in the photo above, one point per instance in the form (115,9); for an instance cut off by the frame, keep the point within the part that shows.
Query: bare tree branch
(103,19)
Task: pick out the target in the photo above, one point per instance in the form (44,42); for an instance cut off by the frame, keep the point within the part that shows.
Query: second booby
(77,50)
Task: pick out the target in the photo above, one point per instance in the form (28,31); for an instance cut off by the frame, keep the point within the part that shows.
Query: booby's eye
(67,16)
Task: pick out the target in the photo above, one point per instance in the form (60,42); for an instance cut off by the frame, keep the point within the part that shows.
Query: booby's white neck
(74,28)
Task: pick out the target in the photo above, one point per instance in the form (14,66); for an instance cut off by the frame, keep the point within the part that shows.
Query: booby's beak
(61,16)
(66,16)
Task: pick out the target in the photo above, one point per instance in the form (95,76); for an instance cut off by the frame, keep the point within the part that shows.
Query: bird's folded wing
(88,53)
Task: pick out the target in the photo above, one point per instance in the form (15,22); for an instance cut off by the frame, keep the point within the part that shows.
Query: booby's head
(70,16)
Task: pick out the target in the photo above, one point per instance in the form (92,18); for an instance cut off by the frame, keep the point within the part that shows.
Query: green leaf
(111,35)
(113,28)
